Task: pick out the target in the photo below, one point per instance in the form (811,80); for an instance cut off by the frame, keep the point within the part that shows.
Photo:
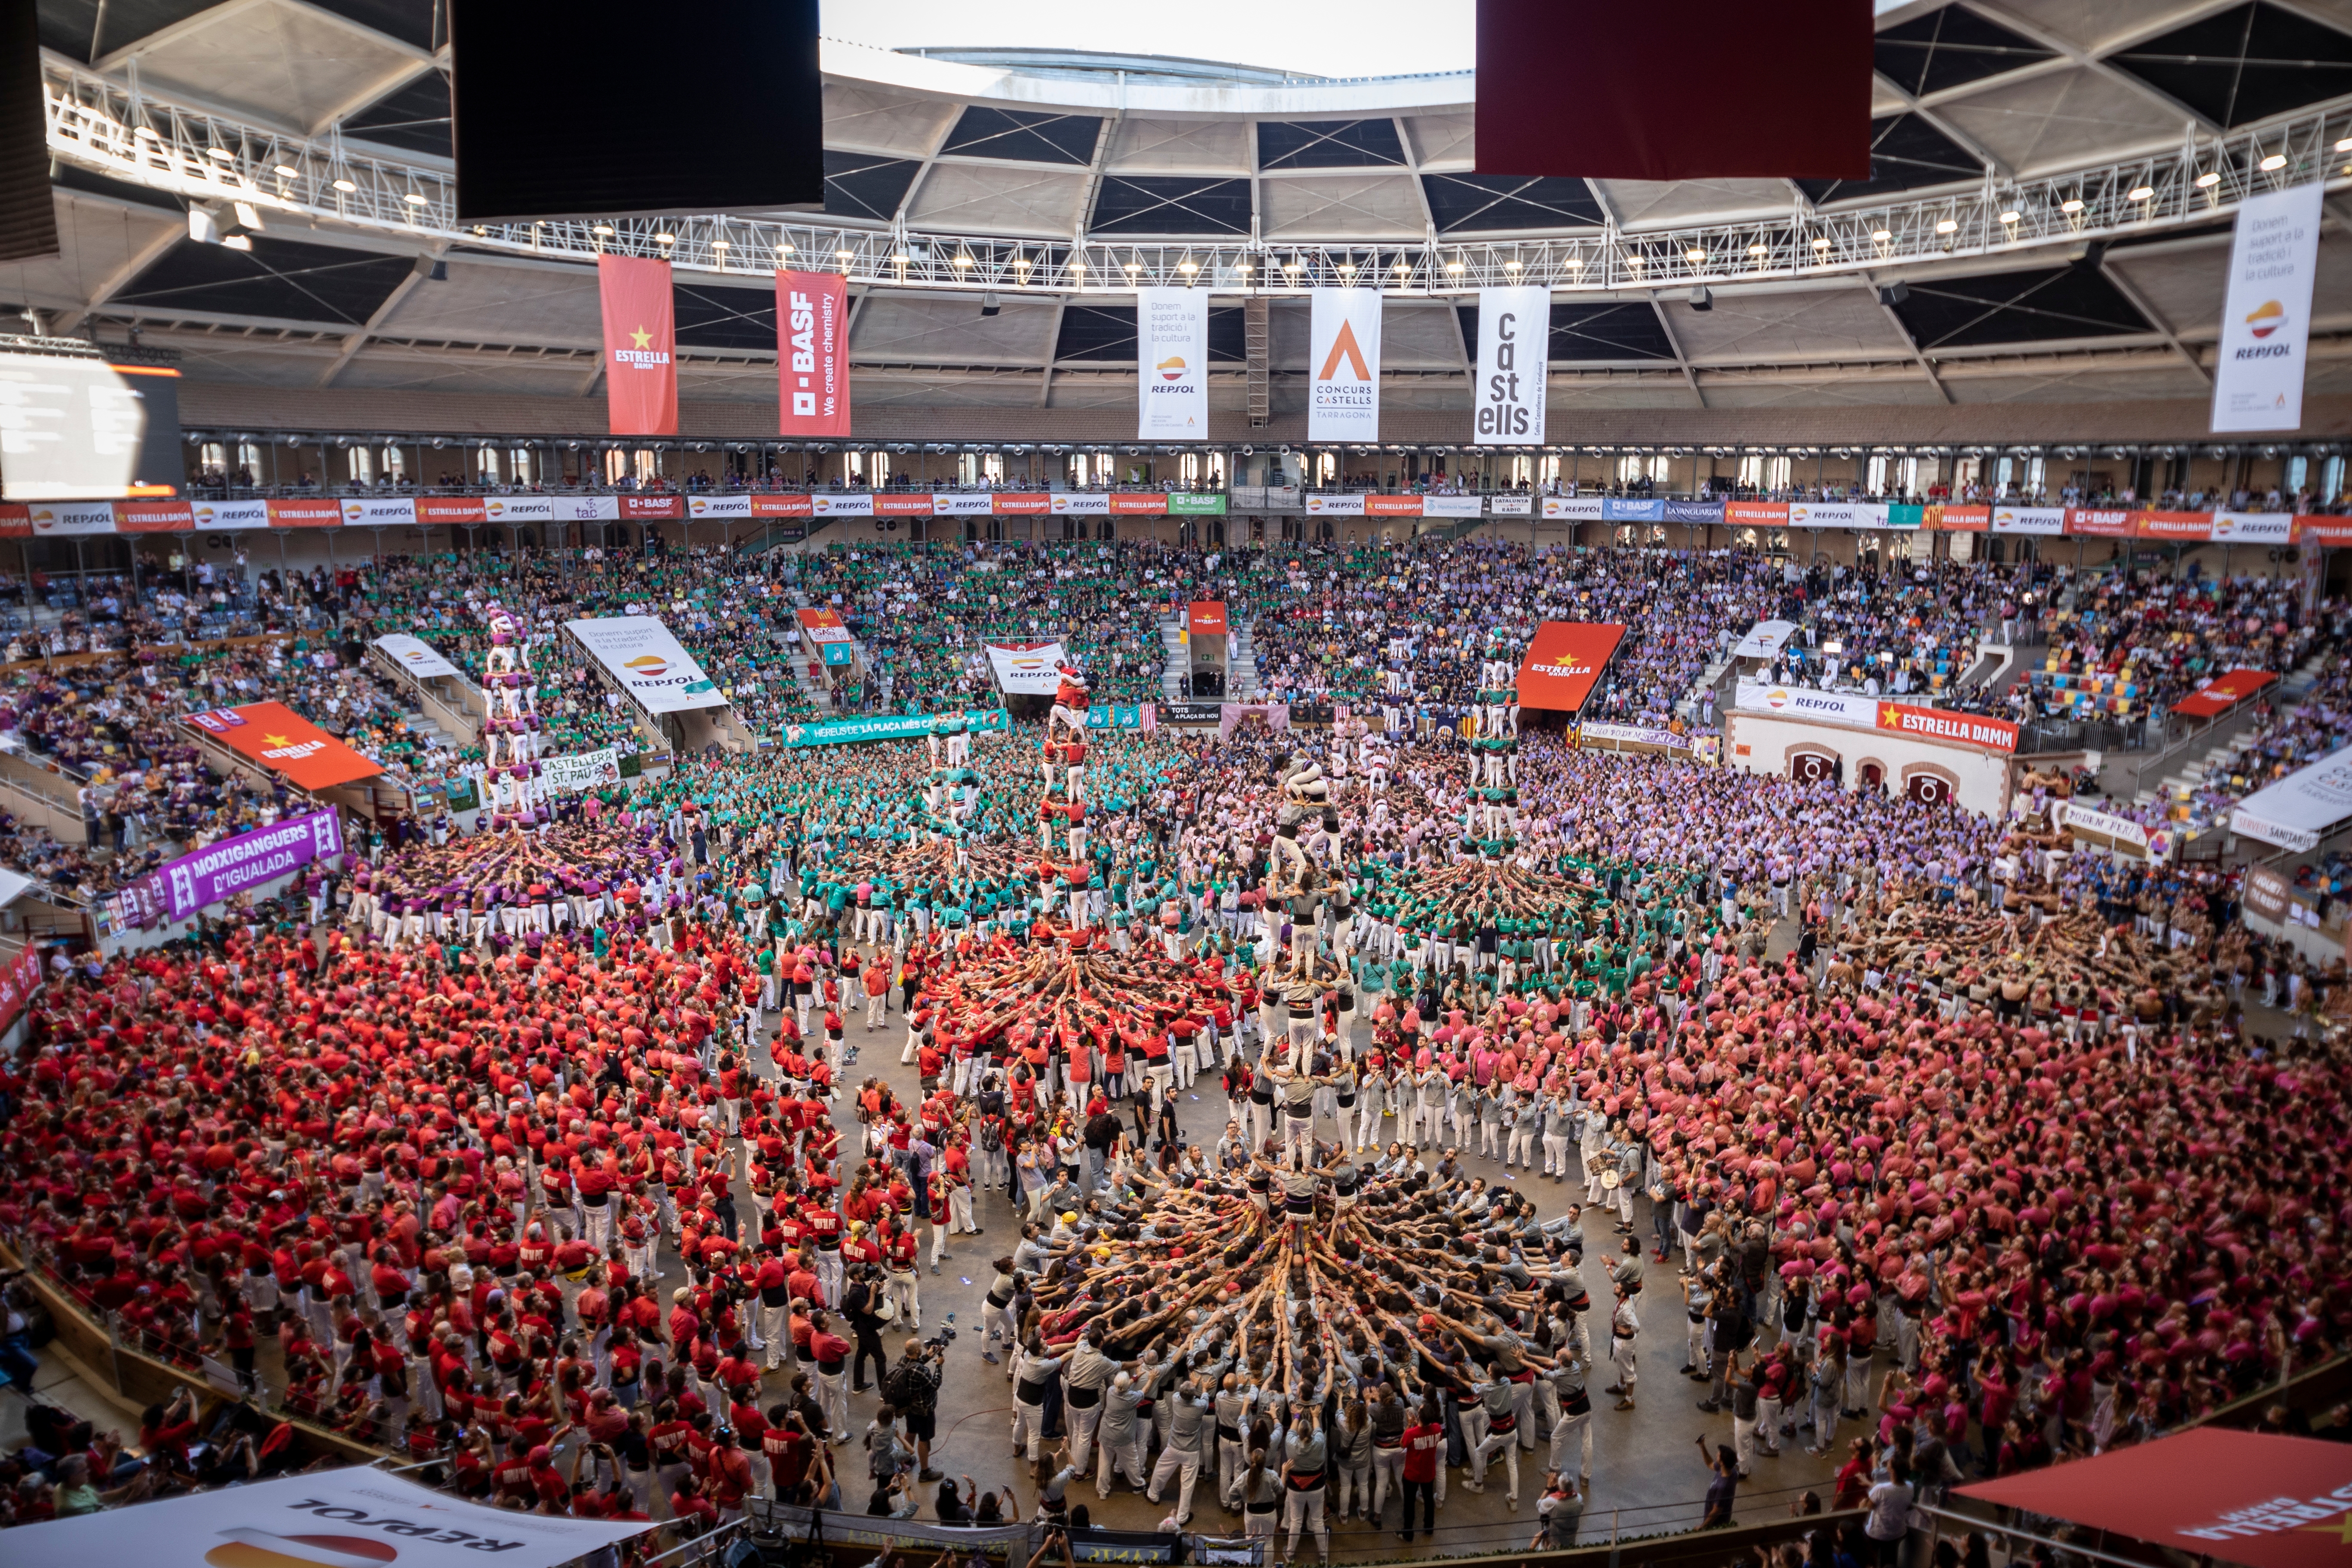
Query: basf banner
(638,652)
(1026,669)
(358,1518)
(1344,352)
(1563,661)
(811,353)
(1171,352)
(2266,319)
(1514,353)
(640,345)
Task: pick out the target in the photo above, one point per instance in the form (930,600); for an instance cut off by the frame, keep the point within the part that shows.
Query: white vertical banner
(2266,320)
(1344,399)
(1171,353)
(1514,354)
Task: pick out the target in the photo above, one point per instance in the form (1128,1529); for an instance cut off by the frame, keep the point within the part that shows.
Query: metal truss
(105,125)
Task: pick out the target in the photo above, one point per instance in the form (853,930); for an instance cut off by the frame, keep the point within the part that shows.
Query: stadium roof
(1054,179)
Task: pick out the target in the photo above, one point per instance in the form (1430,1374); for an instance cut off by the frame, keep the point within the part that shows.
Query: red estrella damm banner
(1563,661)
(1205,617)
(1943,724)
(813,354)
(277,738)
(640,345)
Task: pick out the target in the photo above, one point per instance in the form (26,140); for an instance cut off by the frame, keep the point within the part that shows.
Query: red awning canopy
(2223,692)
(2246,1497)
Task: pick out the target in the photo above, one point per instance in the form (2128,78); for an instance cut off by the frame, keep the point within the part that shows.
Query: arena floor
(1647,1472)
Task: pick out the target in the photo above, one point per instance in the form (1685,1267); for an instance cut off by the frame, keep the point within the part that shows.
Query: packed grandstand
(981,983)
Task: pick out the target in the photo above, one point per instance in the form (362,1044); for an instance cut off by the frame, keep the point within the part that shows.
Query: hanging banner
(1573,509)
(309,512)
(379,512)
(517,509)
(821,625)
(2252,527)
(639,652)
(1131,504)
(1509,506)
(1453,506)
(221,516)
(1755,513)
(1343,401)
(580,771)
(1171,352)
(2044,522)
(783,506)
(668,507)
(357,1517)
(416,656)
(1196,503)
(960,503)
(1942,724)
(1803,702)
(1823,514)
(1514,356)
(1025,504)
(460,512)
(1335,506)
(812,354)
(2180,526)
(1066,504)
(584,508)
(71,519)
(718,506)
(1564,660)
(2266,318)
(1628,508)
(640,345)
(1960,519)
(1392,506)
(284,741)
(220,870)
(154,517)
(1026,669)
(860,504)
(888,727)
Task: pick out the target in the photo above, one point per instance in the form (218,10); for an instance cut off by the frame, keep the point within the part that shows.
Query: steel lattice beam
(101,124)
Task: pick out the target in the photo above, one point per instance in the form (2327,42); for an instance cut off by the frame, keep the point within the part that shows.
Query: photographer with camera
(913,1387)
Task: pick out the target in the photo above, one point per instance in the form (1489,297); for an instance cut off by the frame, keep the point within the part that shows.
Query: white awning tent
(357,1517)
(2299,810)
(1765,639)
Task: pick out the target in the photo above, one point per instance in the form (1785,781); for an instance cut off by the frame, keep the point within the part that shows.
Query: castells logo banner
(813,354)
(2266,319)
(1171,348)
(639,653)
(1563,661)
(640,345)
(334,1518)
(1514,358)
(284,741)
(1344,354)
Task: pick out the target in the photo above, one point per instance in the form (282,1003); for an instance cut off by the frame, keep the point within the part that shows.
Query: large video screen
(73,428)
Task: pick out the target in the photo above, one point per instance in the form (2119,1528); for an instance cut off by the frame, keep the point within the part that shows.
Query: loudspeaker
(597,108)
(28,216)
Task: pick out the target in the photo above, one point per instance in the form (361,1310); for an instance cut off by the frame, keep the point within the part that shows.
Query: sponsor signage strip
(1344,355)
(1514,356)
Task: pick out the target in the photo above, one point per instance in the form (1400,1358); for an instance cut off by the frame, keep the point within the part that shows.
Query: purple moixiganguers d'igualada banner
(230,866)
